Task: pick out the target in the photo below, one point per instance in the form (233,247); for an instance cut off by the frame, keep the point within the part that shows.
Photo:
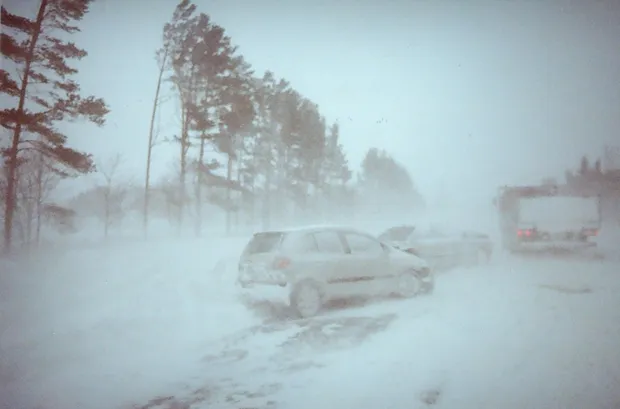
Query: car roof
(316,228)
(402,226)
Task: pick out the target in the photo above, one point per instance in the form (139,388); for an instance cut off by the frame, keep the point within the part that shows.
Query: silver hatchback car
(313,265)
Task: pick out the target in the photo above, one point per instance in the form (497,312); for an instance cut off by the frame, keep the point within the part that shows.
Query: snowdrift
(608,241)
(91,316)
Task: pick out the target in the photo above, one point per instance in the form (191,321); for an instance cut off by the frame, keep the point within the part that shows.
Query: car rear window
(264,243)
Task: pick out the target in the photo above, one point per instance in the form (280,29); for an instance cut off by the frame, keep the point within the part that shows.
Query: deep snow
(128,323)
(93,327)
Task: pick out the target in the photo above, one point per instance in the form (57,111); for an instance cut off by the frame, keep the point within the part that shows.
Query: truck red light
(591,232)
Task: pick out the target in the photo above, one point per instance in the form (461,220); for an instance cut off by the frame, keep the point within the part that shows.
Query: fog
(95,324)
(469,97)
(423,111)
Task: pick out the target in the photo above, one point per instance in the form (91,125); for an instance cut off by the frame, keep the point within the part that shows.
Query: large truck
(548,217)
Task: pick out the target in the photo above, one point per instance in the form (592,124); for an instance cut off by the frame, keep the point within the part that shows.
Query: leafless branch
(109,168)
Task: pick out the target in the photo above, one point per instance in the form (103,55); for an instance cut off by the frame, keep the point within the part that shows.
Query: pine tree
(267,145)
(41,57)
(387,183)
(236,115)
(335,171)
(184,10)
(202,56)
(288,157)
(308,151)
(179,36)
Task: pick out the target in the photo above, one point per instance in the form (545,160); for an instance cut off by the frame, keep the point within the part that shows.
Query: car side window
(328,242)
(359,244)
(301,244)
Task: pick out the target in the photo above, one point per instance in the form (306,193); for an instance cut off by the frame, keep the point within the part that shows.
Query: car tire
(306,299)
(408,285)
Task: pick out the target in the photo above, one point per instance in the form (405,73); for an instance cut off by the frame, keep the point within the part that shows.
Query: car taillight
(525,232)
(281,263)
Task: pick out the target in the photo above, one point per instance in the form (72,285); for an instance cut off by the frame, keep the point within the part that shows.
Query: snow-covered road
(536,333)
(152,333)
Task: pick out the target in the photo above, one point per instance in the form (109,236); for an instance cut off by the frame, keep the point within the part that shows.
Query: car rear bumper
(257,292)
(554,245)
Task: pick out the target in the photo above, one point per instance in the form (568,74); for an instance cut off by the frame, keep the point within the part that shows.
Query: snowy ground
(152,325)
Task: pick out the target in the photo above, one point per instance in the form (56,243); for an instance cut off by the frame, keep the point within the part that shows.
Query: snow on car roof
(429,228)
(310,228)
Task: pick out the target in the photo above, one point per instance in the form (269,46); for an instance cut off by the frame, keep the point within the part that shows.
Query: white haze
(467,95)
(101,325)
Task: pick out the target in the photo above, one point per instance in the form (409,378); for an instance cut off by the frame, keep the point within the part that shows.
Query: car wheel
(307,300)
(408,285)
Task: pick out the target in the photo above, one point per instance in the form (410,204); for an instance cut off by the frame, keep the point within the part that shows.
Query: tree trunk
(39,200)
(9,205)
(106,216)
(199,181)
(147,181)
(281,190)
(238,178)
(28,217)
(183,165)
(267,199)
(228,195)
(266,210)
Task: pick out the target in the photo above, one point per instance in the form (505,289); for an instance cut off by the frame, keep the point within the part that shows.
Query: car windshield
(430,233)
(400,233)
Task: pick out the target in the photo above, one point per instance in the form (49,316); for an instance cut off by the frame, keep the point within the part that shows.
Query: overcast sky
(468,95)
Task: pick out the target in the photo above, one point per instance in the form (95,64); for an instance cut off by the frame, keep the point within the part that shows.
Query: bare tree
(173,196)
(162,58)
(35,180)
(113,194)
